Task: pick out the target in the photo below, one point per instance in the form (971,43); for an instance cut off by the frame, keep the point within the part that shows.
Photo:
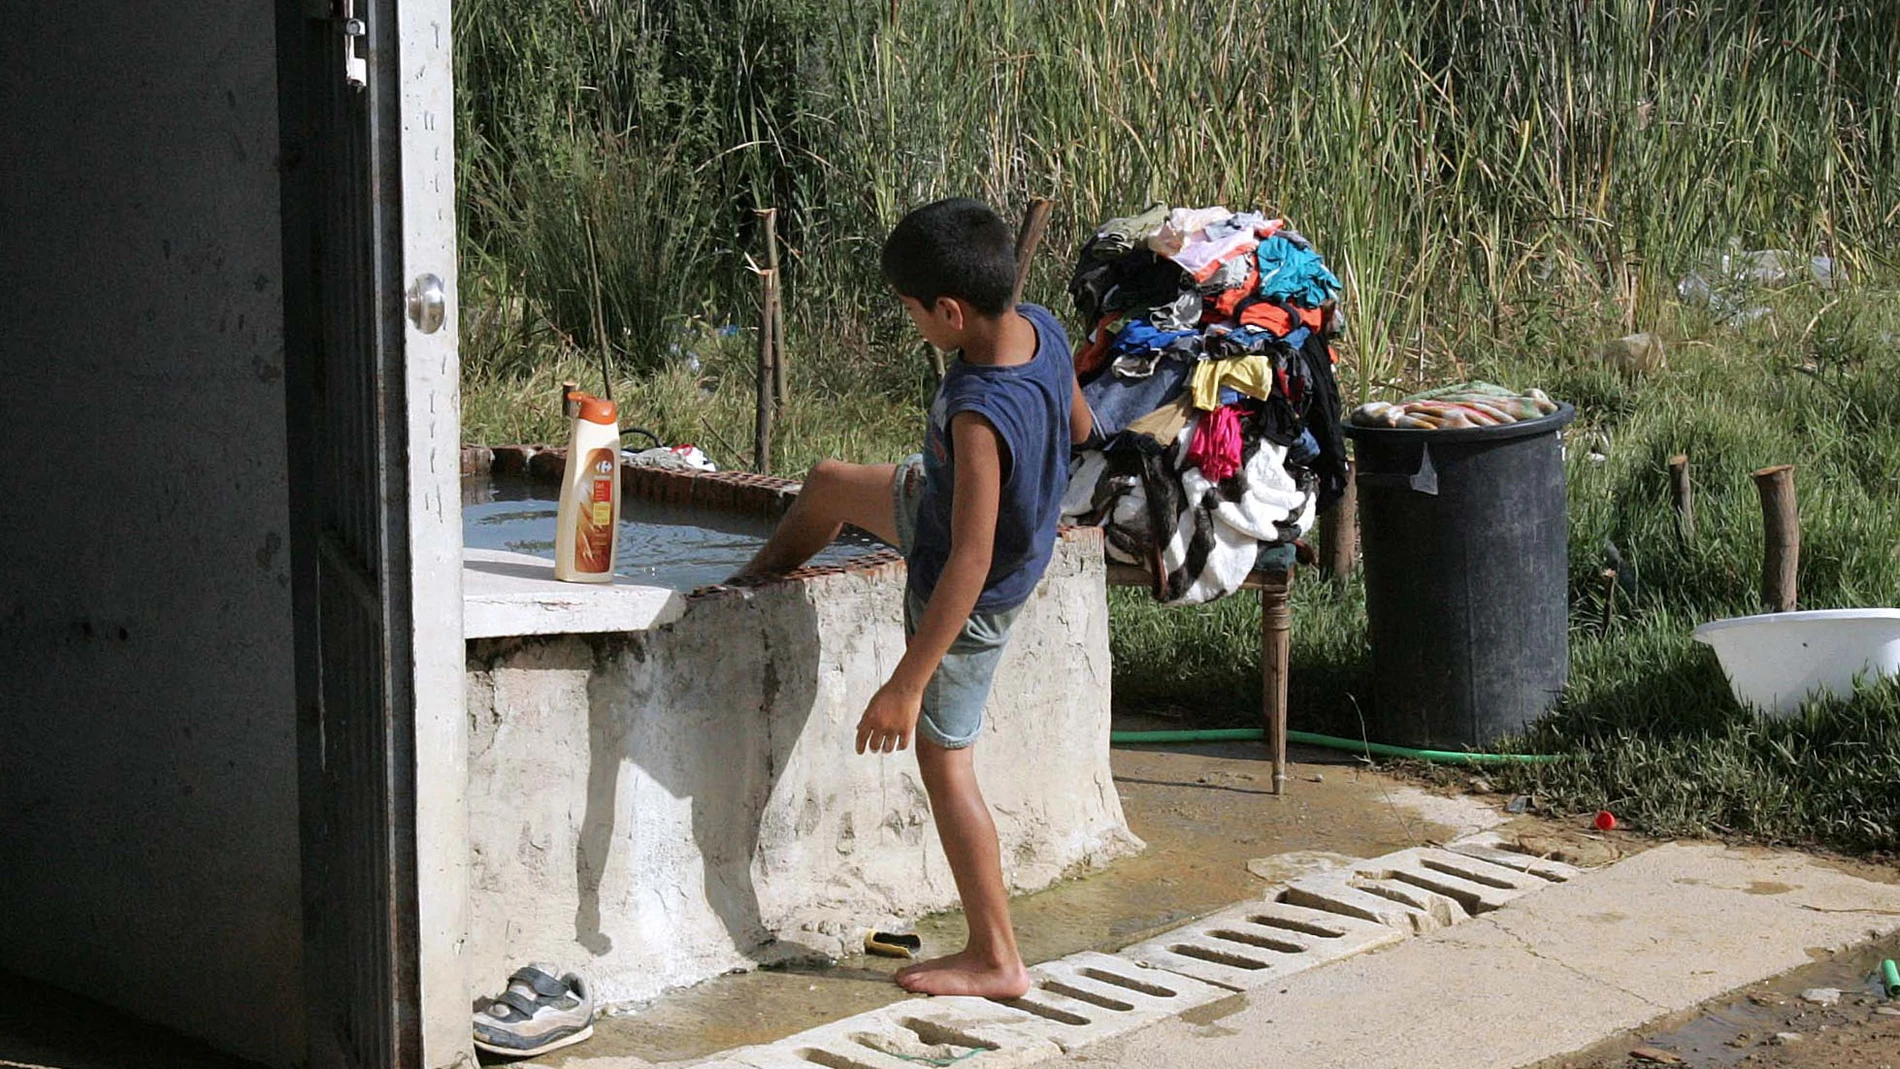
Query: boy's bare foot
(963,957)
(965,973)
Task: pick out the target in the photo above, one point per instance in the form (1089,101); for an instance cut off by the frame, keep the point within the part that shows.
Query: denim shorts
(953,700)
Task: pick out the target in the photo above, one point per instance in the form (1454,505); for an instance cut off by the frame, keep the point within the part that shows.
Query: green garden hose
(1371,749)
(1890,978)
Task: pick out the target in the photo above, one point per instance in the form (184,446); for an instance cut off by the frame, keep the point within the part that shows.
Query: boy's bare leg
(834,494)
(989,966)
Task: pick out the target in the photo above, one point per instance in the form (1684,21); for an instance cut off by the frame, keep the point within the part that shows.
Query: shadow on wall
(708,710)
(673,804)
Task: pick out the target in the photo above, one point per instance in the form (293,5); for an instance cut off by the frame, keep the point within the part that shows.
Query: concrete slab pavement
(1546,975)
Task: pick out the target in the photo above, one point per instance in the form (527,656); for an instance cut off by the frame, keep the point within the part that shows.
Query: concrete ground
(1550,974)
(1203,811)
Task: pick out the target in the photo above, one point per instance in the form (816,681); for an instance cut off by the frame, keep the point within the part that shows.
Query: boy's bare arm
(1081,420)
(891,718)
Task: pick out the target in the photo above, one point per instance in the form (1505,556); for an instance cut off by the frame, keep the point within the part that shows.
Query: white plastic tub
(1776,661)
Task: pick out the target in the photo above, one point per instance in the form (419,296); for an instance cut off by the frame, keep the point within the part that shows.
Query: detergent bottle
(589,518)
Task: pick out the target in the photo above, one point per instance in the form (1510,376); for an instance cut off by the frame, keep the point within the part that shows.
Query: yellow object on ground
(892,944)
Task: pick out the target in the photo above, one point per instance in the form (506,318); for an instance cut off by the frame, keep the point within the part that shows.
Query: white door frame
(374,429)
(432,385)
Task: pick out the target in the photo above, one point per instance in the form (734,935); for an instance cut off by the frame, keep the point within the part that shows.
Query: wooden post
(1609,599)
(780,393)
(569,408)
(1339,528)
(600,318)
(1684,495)
(762,429)
(1781,537)
(1276,620)
(1035,221)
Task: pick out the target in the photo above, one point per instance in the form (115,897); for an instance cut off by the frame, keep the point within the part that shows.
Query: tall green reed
(1467,165)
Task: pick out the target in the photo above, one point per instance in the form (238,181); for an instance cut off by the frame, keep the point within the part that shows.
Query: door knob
(428,303)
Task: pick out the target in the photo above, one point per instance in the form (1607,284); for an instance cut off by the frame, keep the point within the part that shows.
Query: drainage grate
(1041,1007)
(1260,942)
(966,1032)
(1089,997)
(1490,847)
(1478,886)
(1400,907)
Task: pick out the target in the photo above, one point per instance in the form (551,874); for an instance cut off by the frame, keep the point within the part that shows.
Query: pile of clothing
(1208,369)
(1468,404)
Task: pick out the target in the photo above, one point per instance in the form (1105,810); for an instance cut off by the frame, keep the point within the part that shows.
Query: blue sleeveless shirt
(1028,404)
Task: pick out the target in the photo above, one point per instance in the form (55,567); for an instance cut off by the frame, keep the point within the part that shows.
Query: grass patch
(1648,726)
(1656,740)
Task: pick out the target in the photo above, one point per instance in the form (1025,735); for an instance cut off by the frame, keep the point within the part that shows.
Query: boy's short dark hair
(953,248)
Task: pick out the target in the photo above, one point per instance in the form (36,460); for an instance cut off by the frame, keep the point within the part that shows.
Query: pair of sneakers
(538,1012)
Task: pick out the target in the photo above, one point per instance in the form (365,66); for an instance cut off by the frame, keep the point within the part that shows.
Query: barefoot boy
(976,517)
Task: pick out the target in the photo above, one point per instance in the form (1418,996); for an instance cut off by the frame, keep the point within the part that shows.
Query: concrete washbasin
(662,786)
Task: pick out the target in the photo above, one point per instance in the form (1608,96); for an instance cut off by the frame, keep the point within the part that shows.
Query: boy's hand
(890,720)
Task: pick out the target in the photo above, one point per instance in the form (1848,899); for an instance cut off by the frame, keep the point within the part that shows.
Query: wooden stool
(1276,621)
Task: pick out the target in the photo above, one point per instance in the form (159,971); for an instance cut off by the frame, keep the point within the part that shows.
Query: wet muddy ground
(1204,811)
(1829,1015)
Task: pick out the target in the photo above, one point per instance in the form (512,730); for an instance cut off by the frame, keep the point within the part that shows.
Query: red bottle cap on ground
(1606,820)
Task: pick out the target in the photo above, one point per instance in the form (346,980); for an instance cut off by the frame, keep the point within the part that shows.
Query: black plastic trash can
(1466,548)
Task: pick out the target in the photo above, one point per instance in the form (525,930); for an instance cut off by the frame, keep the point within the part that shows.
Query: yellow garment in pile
(1251,375)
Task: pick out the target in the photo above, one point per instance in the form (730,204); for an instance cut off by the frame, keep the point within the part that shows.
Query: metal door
(371,369)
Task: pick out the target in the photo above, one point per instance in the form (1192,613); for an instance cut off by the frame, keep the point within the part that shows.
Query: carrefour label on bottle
(594,527)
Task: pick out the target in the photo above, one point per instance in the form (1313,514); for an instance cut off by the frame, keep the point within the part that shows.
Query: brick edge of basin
(730,491)
(745,493)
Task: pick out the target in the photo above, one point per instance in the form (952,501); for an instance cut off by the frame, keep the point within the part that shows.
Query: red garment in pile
(1220,307)
(1272,317)
(1092,356)
(1215,447)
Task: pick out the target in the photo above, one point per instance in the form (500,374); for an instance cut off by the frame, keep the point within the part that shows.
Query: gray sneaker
(537,1013)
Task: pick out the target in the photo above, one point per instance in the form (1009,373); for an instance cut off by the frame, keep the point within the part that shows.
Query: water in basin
(659,544)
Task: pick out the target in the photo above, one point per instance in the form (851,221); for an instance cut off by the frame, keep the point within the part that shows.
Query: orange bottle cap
(596,410)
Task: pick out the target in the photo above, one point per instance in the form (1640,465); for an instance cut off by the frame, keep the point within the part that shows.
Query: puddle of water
(1725,1034)
(1739,1028)
(658,545)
